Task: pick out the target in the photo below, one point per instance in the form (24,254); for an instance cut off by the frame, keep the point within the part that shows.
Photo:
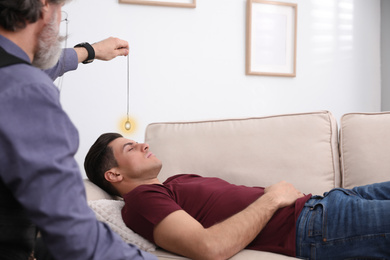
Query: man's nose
(144,147)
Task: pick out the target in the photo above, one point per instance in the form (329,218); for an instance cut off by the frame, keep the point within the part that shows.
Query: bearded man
(40,183)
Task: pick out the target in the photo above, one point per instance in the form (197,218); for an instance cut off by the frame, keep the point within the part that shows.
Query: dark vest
(17,233)
(7,59)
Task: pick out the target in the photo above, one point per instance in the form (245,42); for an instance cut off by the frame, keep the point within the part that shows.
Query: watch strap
(90,50)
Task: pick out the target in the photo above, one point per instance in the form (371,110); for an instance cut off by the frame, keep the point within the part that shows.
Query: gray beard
(49,46)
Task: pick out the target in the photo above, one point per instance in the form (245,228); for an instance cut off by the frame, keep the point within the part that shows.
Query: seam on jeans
(324,223)
(357,237)
(343,241)
(310,231)
(365,258)
(314,215)
(301,230)
(313,252)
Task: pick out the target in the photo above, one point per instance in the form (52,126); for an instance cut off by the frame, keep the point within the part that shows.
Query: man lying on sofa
(208,218)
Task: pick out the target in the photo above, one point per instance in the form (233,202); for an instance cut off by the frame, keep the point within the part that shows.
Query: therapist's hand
(106,49)
(110,48)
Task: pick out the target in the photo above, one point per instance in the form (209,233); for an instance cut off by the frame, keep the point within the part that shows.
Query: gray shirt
(37,146)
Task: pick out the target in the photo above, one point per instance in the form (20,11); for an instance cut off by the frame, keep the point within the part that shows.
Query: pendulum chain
(127,124)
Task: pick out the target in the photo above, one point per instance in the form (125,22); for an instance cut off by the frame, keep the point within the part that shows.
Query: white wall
(385,54)
(189,64)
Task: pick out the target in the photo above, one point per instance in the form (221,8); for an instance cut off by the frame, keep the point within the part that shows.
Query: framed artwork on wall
(172,3)
(271,38)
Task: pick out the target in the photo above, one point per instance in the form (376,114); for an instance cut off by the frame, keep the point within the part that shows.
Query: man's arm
(182,234)
(106,50)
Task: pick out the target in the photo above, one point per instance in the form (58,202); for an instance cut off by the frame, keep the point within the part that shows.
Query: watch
(90,50)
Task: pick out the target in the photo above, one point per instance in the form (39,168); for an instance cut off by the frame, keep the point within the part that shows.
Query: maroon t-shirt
(208,200)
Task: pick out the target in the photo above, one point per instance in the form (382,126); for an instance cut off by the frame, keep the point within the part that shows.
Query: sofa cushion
(107,209)
(364,148)
(94,192)
(299,148)
(109,212)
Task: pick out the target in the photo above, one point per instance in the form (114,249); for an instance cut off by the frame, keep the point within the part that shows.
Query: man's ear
(45,11)
(113,176)
(45,6)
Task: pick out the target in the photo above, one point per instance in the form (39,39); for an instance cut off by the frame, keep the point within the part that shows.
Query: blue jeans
(346,224)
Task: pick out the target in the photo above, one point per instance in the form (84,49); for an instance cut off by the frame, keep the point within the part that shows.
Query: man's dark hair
(15,14)
(100,158)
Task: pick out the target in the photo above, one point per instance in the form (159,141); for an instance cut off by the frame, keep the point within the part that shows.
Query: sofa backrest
(299,148)
(364,148)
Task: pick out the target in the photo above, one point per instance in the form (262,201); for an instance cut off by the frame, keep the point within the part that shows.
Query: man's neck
(26,38)
(131,185)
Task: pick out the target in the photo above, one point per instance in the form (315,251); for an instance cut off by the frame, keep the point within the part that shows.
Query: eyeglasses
(64,16)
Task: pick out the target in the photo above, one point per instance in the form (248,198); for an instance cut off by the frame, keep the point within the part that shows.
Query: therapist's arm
(105,50)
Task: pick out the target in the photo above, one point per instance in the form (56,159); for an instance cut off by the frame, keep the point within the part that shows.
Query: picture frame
(171,3)
(271,38)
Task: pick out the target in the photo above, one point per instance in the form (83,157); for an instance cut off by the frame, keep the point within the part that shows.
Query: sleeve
(68,61)
(37,147)
(147,206)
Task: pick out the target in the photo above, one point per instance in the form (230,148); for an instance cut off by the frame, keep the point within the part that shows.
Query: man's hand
(283,194)
(110,48)
(105,50)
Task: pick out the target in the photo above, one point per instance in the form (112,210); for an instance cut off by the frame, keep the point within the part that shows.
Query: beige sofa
(307,149)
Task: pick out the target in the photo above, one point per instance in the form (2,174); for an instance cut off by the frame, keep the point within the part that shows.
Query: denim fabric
(346,224)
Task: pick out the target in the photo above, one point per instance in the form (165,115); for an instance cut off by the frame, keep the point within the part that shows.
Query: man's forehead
(120,142)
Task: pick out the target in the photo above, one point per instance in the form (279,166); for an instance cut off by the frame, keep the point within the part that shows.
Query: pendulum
(127,123)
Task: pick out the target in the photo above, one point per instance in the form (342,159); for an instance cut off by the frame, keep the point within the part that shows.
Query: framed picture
(173,3)
(271,38)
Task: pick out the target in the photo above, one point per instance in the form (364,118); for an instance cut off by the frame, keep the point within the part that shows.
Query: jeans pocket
(315,227)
